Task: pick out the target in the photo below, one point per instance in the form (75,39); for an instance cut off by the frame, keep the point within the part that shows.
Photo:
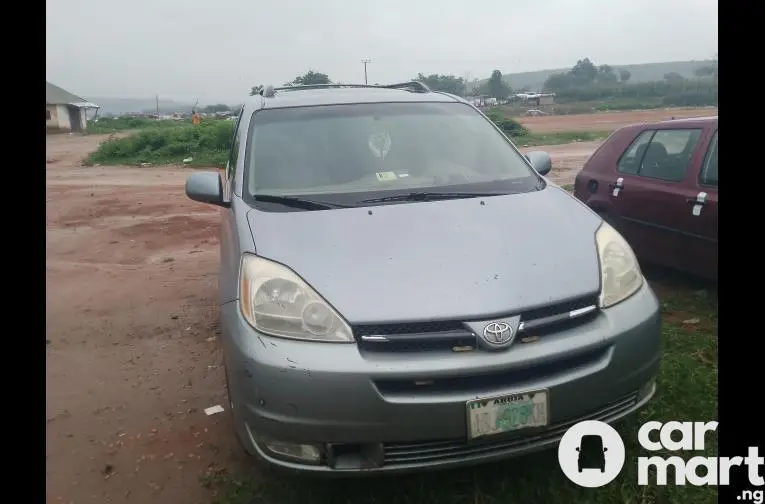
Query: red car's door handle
(694,201)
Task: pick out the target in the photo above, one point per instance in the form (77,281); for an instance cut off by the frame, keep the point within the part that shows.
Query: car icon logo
(591,453)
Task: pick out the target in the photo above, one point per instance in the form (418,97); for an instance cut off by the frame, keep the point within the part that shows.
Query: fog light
(293,451)
(647,390)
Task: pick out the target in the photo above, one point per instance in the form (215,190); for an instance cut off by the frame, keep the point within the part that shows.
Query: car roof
(685,122)
(306,96)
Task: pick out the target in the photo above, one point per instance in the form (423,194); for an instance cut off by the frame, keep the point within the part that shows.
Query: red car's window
(629,163)
(708,175)
(660,154)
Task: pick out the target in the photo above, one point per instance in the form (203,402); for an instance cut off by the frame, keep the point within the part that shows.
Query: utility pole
(157,99)
(366,62)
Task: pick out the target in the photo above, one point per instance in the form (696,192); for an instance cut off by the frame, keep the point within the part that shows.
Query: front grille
(451,334)
(557,308)
(409,328)
(456,449)
(480,383)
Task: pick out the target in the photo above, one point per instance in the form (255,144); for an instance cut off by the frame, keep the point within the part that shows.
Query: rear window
(377,147)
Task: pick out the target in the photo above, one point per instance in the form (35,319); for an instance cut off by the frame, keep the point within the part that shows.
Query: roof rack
(411,86)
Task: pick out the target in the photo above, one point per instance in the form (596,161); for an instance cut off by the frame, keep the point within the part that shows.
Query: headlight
(274,300)
(620,275)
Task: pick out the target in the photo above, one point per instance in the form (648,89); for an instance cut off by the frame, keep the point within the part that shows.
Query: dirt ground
(605,121)
(133,356)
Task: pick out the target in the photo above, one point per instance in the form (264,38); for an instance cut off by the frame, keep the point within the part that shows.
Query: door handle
(700,199)
(619,184)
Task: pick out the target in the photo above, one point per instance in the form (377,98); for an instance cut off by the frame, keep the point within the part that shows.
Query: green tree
(705,71)
(606,75)
(444,83)
(558,82)
(673,78)
(497,87)
(218,107)
(256,90)
(584,72)
(311,78)
(624,75)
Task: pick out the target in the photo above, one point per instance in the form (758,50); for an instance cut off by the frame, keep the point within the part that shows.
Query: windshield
(380,149)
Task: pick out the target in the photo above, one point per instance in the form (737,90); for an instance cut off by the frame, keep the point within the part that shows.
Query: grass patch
(115,124)
(687,390)
(559,138)
(207,144)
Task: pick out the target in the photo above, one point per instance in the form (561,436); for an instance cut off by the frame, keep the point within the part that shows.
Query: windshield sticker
(379,144)
(385,176)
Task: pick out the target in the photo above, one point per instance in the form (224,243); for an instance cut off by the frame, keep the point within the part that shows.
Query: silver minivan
(401,288)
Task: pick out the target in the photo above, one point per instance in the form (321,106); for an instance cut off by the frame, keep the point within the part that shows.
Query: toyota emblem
(498,333)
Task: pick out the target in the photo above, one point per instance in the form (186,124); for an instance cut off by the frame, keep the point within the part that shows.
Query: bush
(690,100)
(114,124)
(207,144)
(509,126)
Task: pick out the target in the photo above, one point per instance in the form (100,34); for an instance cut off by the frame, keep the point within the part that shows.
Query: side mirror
(577,448)
(605,449)
(541,161)
(206,187)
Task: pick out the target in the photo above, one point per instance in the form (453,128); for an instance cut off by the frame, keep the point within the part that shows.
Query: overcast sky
(216,50)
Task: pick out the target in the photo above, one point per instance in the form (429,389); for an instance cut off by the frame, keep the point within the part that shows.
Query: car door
(229,243)
(650,192)
(701,215)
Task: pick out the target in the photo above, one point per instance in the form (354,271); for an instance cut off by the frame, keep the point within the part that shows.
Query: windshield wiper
(295,202)
(429,196)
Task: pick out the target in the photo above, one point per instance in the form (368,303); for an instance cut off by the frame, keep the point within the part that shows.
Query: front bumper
(338,398)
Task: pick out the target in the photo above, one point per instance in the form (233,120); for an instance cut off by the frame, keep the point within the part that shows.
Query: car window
(629,163)
(709,170)
(668,154)
(376,147)
(233,156)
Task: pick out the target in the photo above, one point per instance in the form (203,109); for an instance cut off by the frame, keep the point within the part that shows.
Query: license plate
(508,413)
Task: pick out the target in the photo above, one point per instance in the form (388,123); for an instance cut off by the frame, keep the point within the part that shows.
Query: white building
(65,111)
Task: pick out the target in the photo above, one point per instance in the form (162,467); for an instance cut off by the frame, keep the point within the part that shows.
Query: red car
(657,184)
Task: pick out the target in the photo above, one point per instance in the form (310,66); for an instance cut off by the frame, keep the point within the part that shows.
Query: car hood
(466,259)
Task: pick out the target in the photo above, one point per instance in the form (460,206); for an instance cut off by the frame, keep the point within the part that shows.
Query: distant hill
(644,72)
(118,106)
